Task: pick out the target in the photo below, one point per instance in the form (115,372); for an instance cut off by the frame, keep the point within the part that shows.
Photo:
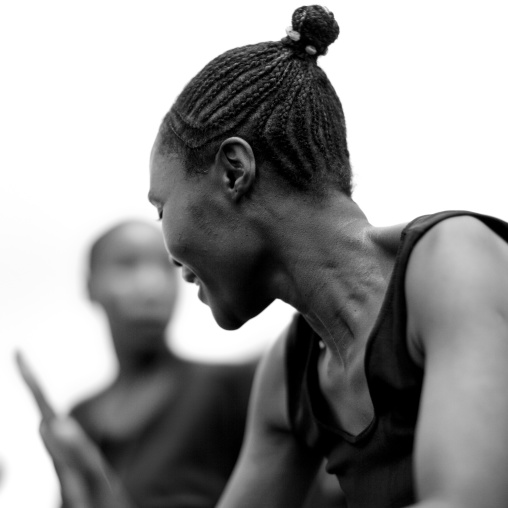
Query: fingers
(74,489)
(68,444)
(63,440)
(85,478)
(47,411)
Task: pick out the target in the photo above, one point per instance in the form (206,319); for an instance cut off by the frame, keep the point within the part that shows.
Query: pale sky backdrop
(83,88)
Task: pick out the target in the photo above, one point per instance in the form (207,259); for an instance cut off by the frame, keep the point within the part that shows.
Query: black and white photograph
(255,254)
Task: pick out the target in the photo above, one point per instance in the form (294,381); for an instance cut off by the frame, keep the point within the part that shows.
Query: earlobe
(237,166)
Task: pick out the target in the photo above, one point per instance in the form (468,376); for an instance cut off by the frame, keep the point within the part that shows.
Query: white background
(83,87)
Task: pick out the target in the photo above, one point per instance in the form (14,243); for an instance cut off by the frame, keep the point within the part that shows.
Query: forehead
(165,170)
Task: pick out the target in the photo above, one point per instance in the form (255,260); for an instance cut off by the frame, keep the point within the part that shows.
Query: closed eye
(175,262)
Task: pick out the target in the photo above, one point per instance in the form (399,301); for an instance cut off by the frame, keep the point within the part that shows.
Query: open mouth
(189,276)
(192,278)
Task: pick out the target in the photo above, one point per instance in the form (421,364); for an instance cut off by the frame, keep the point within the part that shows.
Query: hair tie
(292,34)
(313,28)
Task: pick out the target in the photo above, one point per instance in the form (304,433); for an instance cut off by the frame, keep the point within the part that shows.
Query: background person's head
(263,116)
(132,279)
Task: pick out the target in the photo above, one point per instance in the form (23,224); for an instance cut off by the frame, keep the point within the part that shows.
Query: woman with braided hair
(395,367)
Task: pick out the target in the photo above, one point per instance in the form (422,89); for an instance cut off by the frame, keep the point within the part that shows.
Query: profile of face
(132,278)
(208,235)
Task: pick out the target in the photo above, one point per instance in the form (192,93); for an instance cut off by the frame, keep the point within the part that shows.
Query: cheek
(165,235)
(181,232)
(173,238)
(112,300)
(170,230)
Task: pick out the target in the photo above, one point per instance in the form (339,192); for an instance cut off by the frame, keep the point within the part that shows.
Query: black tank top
(374,467)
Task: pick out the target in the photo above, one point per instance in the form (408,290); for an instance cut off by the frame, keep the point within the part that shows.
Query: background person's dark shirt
(183,456)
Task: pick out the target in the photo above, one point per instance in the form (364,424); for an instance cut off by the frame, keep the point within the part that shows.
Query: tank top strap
(301,342)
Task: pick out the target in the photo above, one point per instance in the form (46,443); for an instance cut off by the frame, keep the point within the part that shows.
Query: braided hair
(276,97)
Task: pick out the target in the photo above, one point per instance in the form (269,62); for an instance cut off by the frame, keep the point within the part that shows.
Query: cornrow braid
(277,98)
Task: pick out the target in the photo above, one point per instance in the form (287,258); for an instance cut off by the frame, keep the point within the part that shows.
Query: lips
(189,276)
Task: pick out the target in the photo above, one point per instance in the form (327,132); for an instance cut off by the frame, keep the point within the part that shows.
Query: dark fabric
(183,457)
(375,467)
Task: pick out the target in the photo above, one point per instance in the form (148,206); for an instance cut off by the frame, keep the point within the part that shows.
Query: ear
(236,165)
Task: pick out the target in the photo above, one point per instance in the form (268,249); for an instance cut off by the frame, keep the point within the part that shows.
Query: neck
(139,352)
(334,268)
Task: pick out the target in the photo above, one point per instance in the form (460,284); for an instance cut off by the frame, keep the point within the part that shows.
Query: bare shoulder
(457,309)
(460,231)
(456,273)
(462,246)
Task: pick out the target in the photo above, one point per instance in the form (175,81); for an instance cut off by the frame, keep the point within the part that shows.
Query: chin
(232,318)
(227,321)
(232,313)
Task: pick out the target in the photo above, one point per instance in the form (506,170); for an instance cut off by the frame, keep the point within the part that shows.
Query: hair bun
(313,29)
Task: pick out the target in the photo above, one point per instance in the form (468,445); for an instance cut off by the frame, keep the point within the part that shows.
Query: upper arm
(273,469)
(457,296)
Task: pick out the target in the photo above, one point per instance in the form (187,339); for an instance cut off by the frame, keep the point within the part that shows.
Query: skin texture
(456,290)
(333,266)
(190,217)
